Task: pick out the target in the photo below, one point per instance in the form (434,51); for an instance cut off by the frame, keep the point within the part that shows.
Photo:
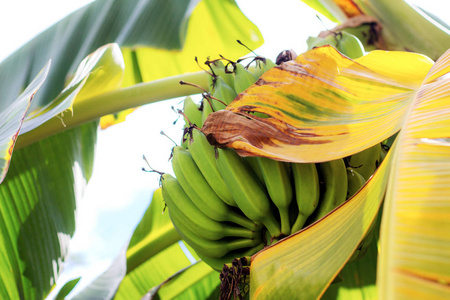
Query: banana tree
(54,150)
(106,51)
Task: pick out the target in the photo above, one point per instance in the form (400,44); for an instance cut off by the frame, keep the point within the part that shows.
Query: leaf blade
(12,118)
(320,101)
(415,243)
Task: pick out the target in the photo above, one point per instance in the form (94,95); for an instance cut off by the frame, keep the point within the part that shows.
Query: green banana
(366,161)
(307,191)
(217,263)
(188,214)
(207,108)
(199,191)
(278,183)
(243,78)
(346,43)
(192,115)
(224,93)
(192,112)
(204,156)
(184,138)
(252,161)
(248,192)
(214,249)
(334,174)
(218,68)
(355,181)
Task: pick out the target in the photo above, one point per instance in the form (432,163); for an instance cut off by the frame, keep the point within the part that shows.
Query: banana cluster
(226,206)
(345,42)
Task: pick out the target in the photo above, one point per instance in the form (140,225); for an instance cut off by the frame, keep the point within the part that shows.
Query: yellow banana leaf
(321,106)
(415,236)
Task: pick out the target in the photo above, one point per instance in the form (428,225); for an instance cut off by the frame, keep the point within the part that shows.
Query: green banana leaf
(12,118)
(39,193)
(100,72)
(197,281)
(67,288)
(153,234)
(37,210)
(99,288)
(38,198)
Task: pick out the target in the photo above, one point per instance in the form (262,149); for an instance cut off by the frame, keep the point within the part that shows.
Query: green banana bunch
(278,183)
(334,176)
(226,206)
(204,156)
(346,43)
(366,161)
(190,216)
(199,191)
(248,192)
(307,192)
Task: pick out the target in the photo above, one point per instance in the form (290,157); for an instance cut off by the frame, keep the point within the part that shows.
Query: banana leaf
(12,118)
(37,210)
(414,236)
(136,28)
(197,281)
(415,244)
(321,101)
(47,176)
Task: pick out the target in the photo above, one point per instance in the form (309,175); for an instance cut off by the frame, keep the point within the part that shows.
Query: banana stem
(115,101)
(407,28)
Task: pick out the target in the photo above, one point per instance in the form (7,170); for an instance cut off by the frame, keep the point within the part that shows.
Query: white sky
(119,191)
